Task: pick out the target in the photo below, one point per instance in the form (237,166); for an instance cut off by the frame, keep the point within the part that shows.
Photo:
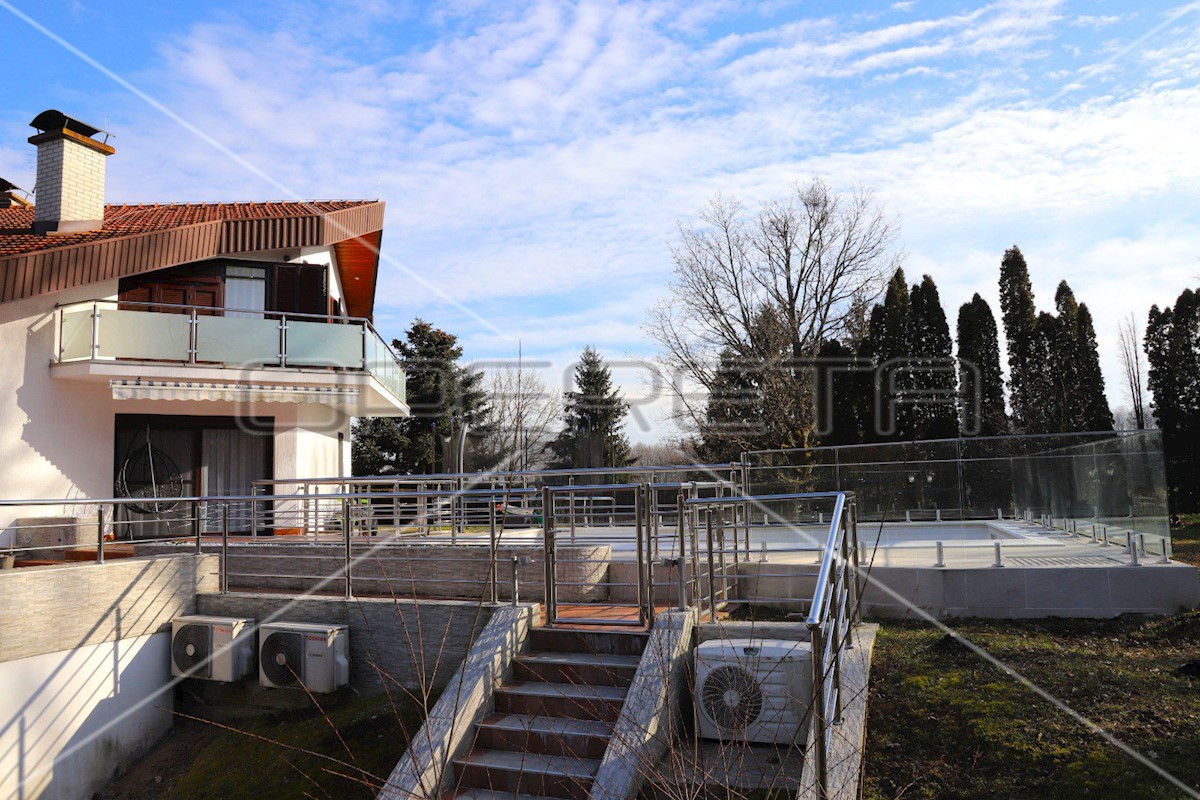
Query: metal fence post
(349,555)
(516,562)
(712,569)
(196,527)
(492,549)
(681,529)
(224,566)
(100,533)
(639,530)
(551,602)
(820,722)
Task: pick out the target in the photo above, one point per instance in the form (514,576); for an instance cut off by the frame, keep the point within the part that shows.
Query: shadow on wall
(83,693)
(67,423)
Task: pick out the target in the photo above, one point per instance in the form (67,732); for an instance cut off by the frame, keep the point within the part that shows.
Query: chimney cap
(54,120)
(8,186)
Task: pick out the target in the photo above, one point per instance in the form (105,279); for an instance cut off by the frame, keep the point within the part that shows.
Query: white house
(183,347)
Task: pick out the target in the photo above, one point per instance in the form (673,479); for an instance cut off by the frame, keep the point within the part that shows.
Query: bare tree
(522,418)
(1132,369)
(767,290)
(664,452)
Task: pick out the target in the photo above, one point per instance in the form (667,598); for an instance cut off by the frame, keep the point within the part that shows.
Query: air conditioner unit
(753,690)
(212,648)
(300,655)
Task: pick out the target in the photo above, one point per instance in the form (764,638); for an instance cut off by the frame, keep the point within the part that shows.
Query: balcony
(272,347)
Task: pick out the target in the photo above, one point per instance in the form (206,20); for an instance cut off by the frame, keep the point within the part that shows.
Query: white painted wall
(56,435)
(68,719)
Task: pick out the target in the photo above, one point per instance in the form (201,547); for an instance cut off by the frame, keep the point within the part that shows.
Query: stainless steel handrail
(194,311)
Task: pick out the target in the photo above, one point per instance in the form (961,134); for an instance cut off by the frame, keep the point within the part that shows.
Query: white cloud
(535,157)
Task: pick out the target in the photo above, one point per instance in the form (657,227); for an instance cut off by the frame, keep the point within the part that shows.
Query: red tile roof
(125,220)
(143,238)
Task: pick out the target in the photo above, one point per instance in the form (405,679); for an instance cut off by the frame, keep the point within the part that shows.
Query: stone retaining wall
(407,570)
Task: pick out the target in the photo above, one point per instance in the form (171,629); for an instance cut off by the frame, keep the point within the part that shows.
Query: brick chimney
(69,195)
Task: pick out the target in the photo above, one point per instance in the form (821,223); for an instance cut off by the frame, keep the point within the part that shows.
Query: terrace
(1006,528)
(106,339)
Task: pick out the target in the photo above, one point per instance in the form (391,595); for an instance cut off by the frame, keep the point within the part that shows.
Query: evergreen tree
(1097,416)
(733,416)
(1075,400)
(892,347)
(980,381)
(442,395)
(1026,373)
(1172,345)
(934,381)
(593,419)
(843,395)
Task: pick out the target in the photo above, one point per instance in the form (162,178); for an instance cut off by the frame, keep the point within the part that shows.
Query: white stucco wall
(56,434)
(67,719)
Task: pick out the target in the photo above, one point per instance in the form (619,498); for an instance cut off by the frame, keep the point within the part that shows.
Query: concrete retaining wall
(393,643)
(85,668)
(425,770)
(1009,592)
(651,713)
(409,570)
(51,609)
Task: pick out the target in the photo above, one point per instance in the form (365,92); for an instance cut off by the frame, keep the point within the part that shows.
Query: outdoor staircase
(553,720)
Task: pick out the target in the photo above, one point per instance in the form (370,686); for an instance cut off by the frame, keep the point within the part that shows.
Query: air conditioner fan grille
(191,650)
(732,697)
(282,658)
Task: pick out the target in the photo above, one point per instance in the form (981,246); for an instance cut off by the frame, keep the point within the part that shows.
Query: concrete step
(527,773)
(596,669)
(600,703)
(559,736)
(570,640)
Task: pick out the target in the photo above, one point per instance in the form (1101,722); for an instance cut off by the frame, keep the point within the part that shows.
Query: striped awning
(230,392)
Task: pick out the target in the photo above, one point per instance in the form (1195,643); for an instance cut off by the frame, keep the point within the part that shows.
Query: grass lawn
(945,724)
(1185,540)
(276,756)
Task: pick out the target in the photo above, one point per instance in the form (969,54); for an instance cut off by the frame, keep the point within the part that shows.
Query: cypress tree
(1075,400)
(593,419)
(892,347)
(1096,415)
(1025,376)
(1172,346)
(980,381)
(933,380)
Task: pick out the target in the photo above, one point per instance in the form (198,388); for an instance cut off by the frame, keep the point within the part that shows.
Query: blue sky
(536,157)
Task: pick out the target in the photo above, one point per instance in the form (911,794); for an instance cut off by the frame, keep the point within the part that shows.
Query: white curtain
(232,458)
(245,289)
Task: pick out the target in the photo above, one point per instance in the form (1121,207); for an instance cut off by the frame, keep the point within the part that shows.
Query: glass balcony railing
(108,330)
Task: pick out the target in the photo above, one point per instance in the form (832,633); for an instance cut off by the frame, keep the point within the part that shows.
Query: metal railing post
(852,509)
(193,336)
(100,533)
(820,721)
(196,527)
(224,566)
(95,349)
(492,549)
(639,531)
(681,527)
(712,569)
(571,507)
(516,562)
(349,555)
(551,602)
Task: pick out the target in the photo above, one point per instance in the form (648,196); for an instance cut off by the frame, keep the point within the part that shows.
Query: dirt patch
(346,750)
